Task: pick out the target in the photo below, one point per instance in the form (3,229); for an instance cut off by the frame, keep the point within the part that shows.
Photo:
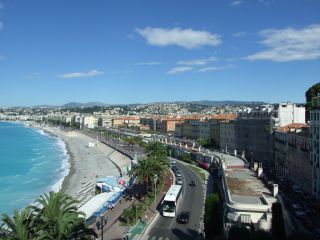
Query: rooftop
(243,184)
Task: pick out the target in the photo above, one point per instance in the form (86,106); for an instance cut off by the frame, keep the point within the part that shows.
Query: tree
(156,151)
(277,223)
(58,218)
(144,171)
(212,217)
(313,91)
(20,226)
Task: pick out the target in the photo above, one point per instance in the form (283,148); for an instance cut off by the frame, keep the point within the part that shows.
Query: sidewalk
(115,230)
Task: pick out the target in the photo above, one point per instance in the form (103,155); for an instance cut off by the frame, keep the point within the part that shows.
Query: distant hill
(220,103)
(203,102)
(84,105)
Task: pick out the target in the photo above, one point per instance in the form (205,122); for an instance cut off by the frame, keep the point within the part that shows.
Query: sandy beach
(86,163)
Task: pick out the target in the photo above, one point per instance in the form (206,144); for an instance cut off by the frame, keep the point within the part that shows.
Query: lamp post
(155,179)
(103,223)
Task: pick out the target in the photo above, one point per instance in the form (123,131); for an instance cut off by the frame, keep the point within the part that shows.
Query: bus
(170,201)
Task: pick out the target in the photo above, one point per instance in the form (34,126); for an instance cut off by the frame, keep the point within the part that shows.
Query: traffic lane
(191,200)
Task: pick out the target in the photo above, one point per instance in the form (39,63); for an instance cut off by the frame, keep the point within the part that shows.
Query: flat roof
(243,184)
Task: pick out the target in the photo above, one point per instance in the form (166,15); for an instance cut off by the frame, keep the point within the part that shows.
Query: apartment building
(292,154)
(126,121)
(314,153)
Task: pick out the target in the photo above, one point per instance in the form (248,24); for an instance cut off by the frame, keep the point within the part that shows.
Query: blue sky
(54,52)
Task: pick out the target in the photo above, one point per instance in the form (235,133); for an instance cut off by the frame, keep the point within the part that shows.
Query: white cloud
(91,73)
(235,3)
(266,2)
(215,68)
(180,70)
(147,63)
(239,34)
(200,62)
(187,38)
(289,44)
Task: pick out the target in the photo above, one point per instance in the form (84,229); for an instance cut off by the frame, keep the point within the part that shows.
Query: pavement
(115,229)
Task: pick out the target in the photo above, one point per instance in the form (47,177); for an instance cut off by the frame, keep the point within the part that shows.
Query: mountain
(83,105)
(220,103)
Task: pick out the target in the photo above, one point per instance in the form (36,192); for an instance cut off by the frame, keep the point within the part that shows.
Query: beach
(87,163)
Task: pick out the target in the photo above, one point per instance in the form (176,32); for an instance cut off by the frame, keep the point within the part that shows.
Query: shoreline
(86,164)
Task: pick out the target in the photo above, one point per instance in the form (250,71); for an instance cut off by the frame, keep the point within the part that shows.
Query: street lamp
(103,223)
(155,179)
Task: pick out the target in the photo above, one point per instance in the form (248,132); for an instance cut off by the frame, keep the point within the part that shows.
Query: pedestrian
(146,215)
(120,200)
(98,225)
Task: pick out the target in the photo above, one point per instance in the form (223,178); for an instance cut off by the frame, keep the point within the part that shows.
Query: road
(191,200)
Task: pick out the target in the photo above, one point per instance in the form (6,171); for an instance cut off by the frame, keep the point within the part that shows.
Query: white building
(90,122)
(315,145)
(290,113)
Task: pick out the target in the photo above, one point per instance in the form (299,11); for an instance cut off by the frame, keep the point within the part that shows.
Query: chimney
(275,189)
(255,166)
(260,170)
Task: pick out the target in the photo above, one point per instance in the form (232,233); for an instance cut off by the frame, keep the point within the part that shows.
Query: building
(215,126)
(292,154)
(90,122)
(228,137)
(290,113)
(315,146)
(246,199)
(168,125)
(128,121)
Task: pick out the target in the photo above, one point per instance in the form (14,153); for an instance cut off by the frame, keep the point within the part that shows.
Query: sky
(119,52)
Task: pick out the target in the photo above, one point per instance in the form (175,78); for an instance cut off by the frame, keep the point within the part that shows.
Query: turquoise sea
(31,162)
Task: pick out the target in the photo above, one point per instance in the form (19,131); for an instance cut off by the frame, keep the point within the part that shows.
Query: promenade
(115,229)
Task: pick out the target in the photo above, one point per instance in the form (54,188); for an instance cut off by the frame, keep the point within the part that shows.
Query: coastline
(86,164)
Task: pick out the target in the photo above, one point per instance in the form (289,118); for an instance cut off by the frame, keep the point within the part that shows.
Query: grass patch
(199,171)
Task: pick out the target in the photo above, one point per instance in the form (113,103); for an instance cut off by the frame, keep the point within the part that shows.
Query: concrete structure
(292,154)
(315,146)
(247,201)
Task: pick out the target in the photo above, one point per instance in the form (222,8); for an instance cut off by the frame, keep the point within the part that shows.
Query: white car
(179,181)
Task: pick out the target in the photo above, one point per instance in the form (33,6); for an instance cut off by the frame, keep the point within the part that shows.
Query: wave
(64,167)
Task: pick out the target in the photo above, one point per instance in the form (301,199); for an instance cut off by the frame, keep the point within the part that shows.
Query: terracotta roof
(292,126)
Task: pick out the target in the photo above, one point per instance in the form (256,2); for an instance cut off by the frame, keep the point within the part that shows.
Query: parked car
(174,168)
(178,174)
(179,181)
(183,217)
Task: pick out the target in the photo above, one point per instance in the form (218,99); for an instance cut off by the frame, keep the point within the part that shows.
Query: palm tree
(156,151)
(19,227)
(145,171)
(58,218)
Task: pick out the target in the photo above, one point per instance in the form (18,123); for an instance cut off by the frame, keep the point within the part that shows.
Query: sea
(32,162)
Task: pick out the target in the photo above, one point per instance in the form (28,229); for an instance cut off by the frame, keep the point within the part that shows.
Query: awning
(245,218)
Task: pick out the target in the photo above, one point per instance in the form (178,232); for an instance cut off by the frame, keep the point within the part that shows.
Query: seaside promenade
(116,230)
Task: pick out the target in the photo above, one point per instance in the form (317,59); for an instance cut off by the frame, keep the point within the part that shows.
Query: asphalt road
(191,200)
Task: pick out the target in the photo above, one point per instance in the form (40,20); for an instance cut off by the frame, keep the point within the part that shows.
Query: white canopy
(95,203)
